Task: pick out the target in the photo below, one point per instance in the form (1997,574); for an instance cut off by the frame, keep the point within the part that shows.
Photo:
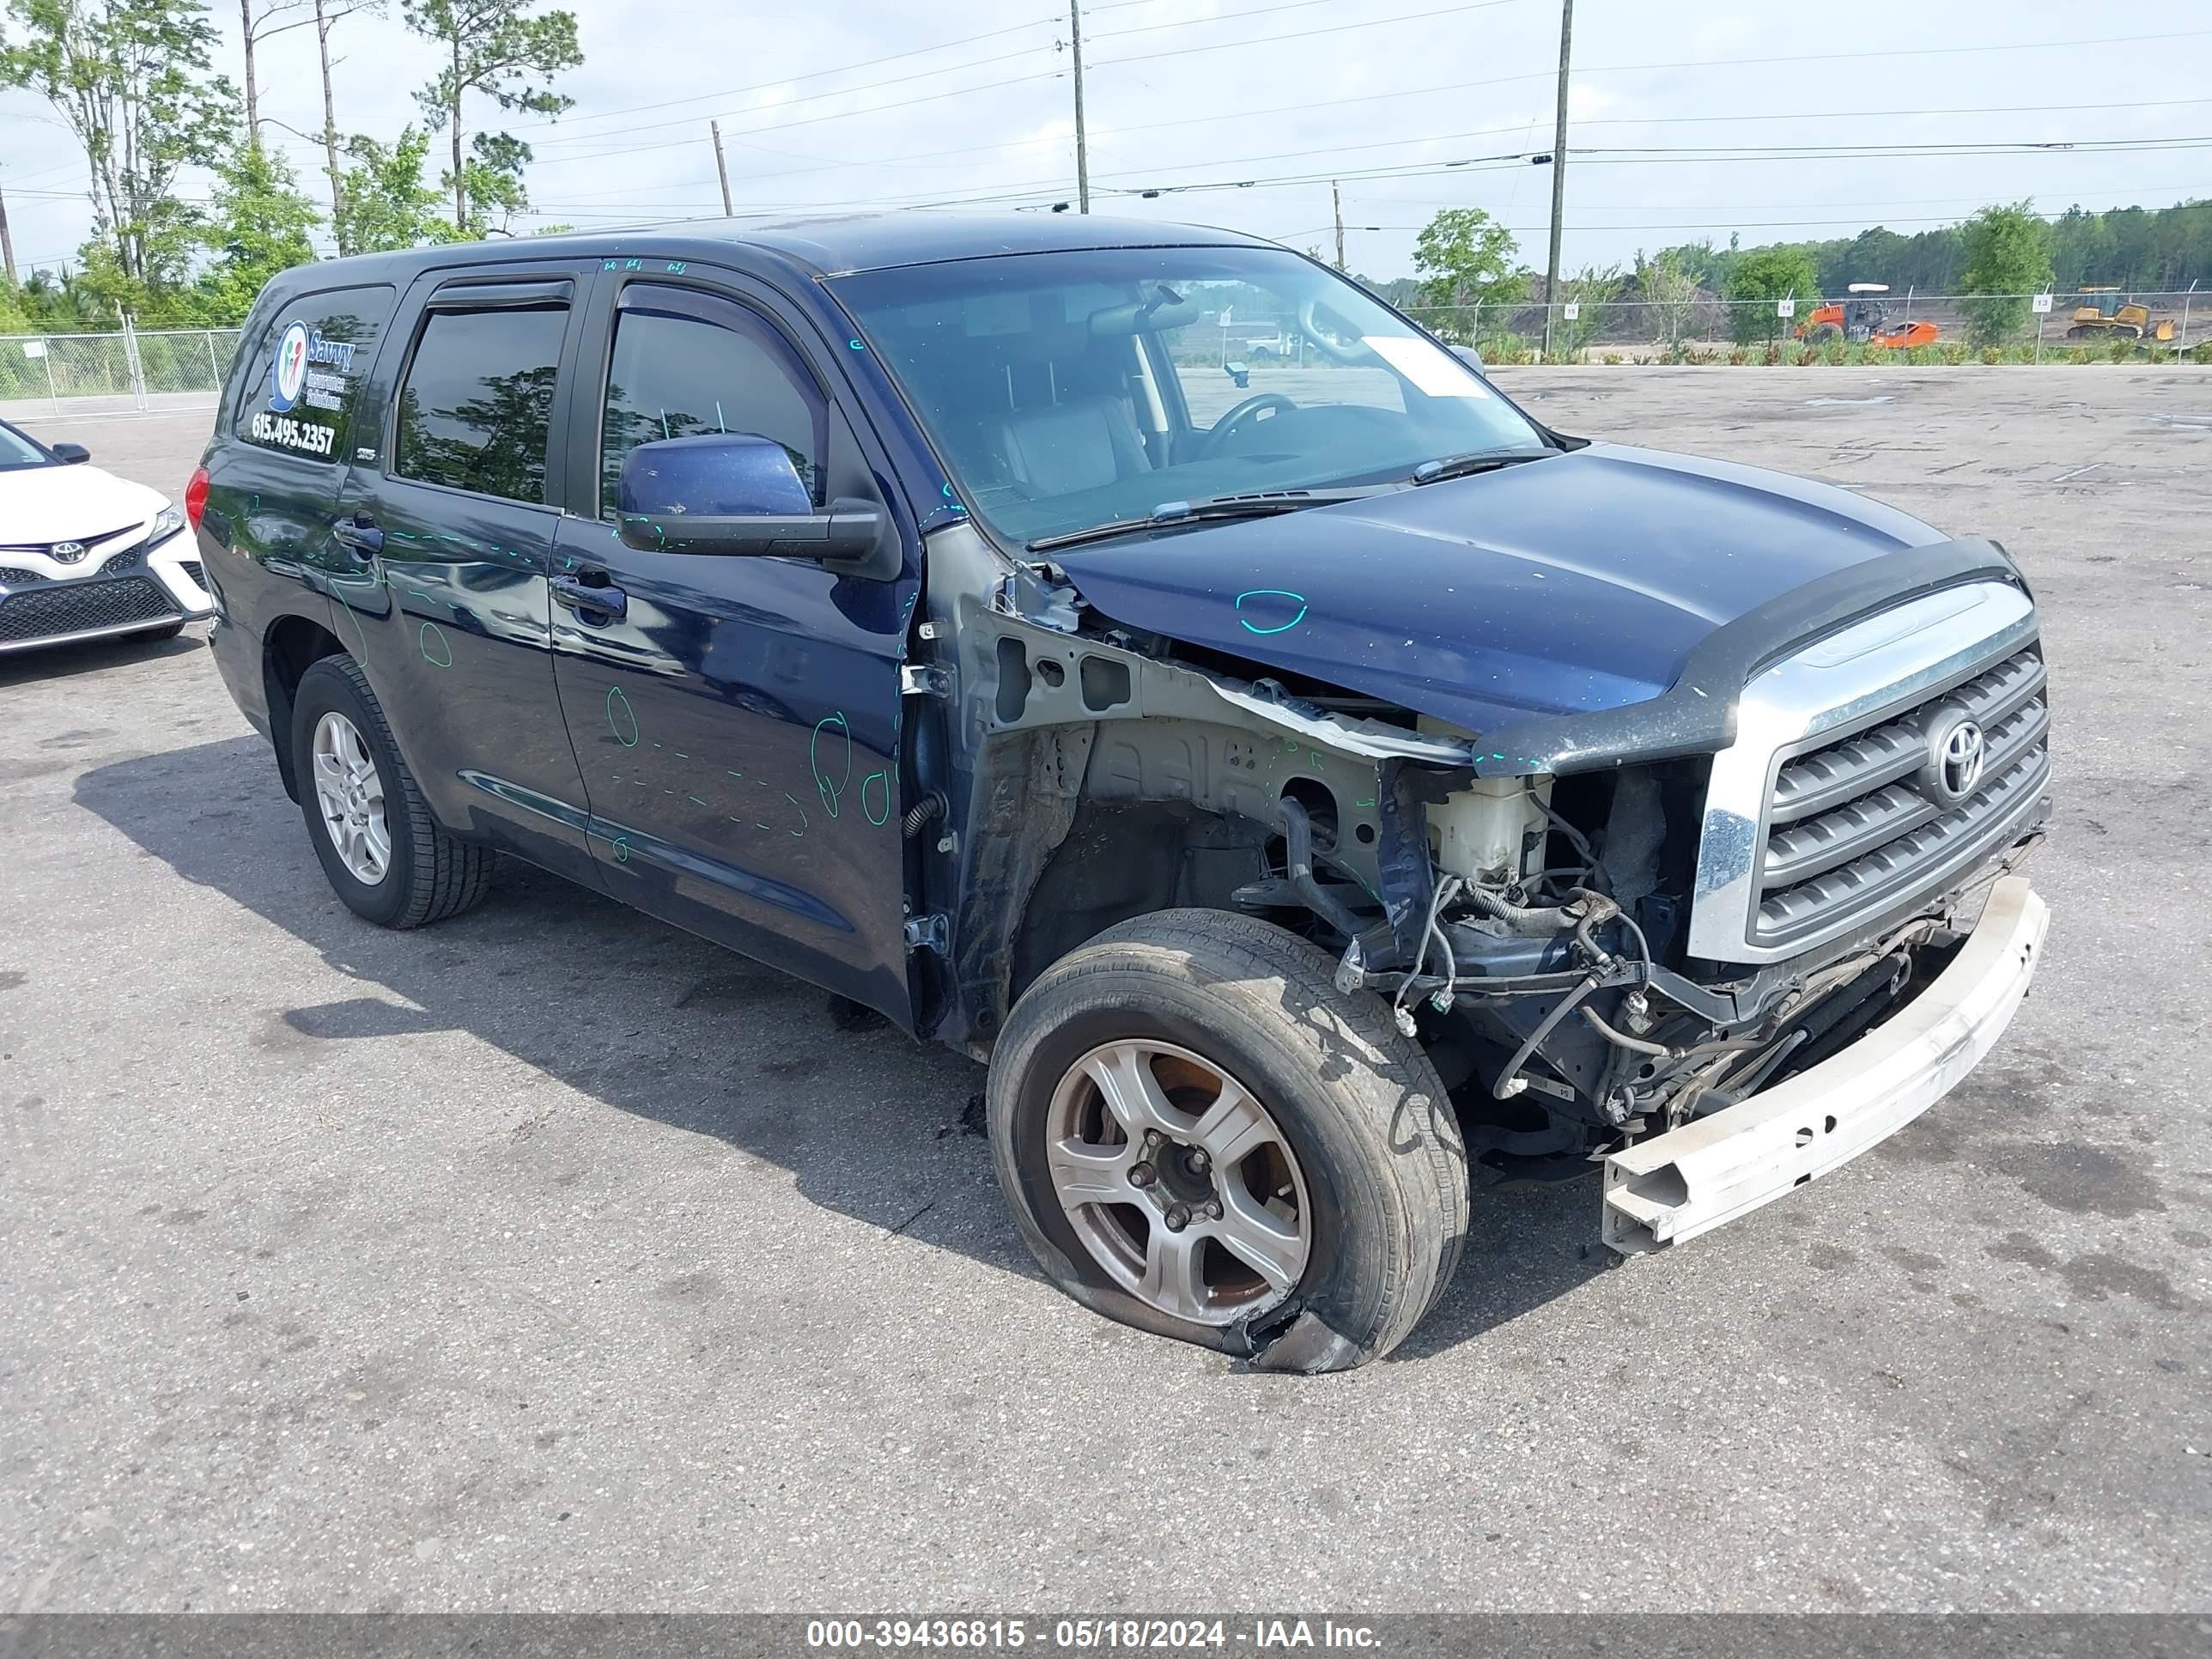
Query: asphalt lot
(551,1259)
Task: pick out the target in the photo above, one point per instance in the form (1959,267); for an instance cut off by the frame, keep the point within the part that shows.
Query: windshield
(16,450)
(1064,390)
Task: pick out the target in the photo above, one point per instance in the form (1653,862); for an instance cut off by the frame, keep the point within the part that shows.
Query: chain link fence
(133,366)
(2102,326)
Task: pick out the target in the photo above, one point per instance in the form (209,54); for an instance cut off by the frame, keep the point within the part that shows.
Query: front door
(736,718)
(449,529)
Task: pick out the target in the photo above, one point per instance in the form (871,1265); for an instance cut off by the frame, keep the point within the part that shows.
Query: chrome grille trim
(1808,800)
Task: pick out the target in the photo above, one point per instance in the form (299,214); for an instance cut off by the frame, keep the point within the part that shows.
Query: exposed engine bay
(1526,916)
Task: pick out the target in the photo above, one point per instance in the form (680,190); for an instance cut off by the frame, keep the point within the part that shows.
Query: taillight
(196,494)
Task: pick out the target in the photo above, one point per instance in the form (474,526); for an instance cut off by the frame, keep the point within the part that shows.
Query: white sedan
(85,555)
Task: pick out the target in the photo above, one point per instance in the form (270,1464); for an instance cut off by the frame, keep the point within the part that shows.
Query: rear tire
(424,874)
(1352,1145)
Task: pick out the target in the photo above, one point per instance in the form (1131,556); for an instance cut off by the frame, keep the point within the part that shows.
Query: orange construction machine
(1862,317)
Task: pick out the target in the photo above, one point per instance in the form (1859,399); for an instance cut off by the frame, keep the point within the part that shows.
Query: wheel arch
(292,645)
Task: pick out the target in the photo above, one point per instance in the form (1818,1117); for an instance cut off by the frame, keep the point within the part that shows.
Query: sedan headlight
(168,520)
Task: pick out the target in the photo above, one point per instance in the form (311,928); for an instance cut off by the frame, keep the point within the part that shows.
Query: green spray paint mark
(694,800)
(884,778)
(619,716)
(828,790)
(1273,593)
(1369,801)
(437,650)
(803,825)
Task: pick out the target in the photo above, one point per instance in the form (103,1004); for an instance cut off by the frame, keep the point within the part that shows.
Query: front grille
(120,562)
(45,613)
(46,549)
(11,577)
(1852,826)
(192,568)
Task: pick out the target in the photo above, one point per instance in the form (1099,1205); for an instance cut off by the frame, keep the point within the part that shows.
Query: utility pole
(1082,149)
(1559,164)
(1336,201)
(722,168)
(8,242)
(253,92)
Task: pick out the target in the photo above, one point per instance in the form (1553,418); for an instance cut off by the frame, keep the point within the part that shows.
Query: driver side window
(1264,353)
(673,374)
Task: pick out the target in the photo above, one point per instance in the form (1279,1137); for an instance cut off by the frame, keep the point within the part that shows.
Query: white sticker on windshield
(1429,369)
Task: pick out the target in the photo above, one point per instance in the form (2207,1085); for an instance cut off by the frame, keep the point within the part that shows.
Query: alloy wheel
(349,795)
(1178,1181)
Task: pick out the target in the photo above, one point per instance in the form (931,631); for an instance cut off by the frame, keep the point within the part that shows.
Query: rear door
(448,527)
(737,717)
(276,463)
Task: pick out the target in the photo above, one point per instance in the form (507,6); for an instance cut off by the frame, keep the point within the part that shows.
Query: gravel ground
(551,1259)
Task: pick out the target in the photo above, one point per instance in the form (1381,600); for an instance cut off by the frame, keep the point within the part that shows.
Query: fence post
(215,375)
(131,363)
(46,356)
(2181,340)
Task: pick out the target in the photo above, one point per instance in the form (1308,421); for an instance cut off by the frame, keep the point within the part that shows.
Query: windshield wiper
(1255,504)
(1478,460)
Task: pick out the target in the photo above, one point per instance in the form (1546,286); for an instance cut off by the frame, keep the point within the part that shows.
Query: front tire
(384,855)
(1200,1137)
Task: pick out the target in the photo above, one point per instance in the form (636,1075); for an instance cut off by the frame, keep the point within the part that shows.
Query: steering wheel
(1218,435)
(1324,342)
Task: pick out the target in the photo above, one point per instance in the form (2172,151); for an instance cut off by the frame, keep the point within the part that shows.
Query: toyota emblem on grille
(1955,754)
(69,552)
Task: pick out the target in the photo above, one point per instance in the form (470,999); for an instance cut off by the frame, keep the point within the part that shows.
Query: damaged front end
(1601,928)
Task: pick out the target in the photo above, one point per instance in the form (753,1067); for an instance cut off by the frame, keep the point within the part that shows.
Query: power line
(813,75)
(1303,34)
(817,97)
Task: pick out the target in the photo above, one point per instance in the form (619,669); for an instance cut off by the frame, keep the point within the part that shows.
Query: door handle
(358,535)
(579,596)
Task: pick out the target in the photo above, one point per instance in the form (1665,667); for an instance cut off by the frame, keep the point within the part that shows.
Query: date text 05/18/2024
(1124,1634)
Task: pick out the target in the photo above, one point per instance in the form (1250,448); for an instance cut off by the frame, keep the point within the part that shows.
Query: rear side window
(302,393)
(709,366)
(478,401)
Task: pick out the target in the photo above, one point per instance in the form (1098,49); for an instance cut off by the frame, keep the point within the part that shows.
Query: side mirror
(1468,355)
(735,494)
(71,454)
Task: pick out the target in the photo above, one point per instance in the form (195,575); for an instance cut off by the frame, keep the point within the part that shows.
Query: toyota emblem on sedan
(69,552)
(1955,762)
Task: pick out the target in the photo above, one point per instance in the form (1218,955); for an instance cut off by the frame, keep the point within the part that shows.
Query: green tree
(131,81)
(2007,259)
(1465,258)
(258,226)
(1671,295)
(1591,290)
(495,190)
(1761,278)
(383,203)
(496,49)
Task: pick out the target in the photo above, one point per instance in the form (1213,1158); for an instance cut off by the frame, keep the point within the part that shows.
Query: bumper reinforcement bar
(1691,1180)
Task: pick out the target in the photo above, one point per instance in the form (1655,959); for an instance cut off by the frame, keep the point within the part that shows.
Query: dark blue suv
(1315,799)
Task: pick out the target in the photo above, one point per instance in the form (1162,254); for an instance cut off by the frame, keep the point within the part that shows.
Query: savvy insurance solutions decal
(309,373)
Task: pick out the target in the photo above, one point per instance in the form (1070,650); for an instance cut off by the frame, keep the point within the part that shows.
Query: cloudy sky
(1240,111)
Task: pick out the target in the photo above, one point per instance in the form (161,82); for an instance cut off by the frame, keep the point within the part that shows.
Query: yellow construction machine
(2102,314)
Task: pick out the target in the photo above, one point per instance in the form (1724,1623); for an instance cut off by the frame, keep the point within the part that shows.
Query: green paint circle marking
(618,715)
(621,850)
(823,786)
(1273,593)
(874,777)
(437,650)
